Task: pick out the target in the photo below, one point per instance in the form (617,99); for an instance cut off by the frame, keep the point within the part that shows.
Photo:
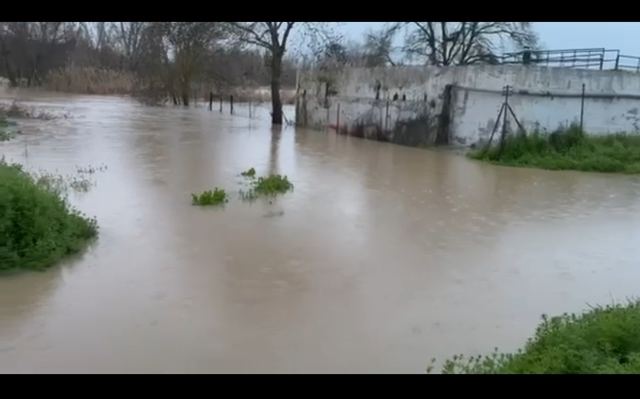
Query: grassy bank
(603,340)
(37,225)
(568,149)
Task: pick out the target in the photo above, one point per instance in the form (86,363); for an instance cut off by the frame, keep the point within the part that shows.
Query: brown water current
(381,258)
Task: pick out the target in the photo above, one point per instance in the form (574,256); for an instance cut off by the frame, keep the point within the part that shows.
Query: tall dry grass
(90,80)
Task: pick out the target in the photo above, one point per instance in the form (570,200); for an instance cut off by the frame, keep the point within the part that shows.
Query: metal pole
(338,119)
(504,123)
(231,102)
(582,108)
(220,103)
(617,61)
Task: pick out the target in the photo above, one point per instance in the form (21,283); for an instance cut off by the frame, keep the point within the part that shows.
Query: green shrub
(249,173)
(272,184)
(603,340)
(216,197)
(7,131)
(37,225)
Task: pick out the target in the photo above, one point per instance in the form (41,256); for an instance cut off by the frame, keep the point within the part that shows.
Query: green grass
(249,173)
(216,197)
(37,225)
(568,149)
(273,184)
(602,340)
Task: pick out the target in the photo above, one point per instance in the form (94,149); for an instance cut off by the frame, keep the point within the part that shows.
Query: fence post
(231,102)
(386,117)
(338,119)
(220,104)
(582,109)
(617,61)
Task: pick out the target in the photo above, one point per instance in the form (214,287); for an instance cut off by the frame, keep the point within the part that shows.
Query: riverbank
(602,340)
(569,149)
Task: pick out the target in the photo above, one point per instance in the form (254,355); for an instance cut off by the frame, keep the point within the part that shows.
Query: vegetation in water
(567,149)
(37,225)
(269,185)
(602,340)
(216,197)
(249,173)
(273,184)
(7,131)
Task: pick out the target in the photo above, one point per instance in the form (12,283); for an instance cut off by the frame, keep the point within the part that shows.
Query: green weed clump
(6,129)
(273,184)
(216,197)
(567,149)
(249,173)
(603,340)
(37,225)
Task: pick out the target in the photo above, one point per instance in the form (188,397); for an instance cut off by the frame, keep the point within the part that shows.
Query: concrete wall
(544,98)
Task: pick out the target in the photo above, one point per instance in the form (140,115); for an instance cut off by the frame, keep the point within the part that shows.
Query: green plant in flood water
(37,225)
(249,173)
(602,340)
(215,197)
(272,184)
(6,129)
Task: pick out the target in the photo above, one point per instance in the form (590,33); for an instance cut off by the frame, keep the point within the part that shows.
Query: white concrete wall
(552,99)
(475,113)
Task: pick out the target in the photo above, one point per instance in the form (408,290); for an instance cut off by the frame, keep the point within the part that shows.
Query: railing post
(617,61)
(601,61)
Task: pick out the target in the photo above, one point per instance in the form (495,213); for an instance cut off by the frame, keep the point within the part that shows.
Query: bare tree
(378,46)
(188,42)
(128,37)
(463,43)
(273,37)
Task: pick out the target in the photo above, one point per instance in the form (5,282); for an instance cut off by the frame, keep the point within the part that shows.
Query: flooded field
(381,258)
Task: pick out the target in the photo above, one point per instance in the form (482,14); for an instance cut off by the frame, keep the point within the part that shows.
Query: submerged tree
(273,37)
(464,43)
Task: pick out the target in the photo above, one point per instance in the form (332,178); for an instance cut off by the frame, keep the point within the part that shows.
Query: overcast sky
(623,36)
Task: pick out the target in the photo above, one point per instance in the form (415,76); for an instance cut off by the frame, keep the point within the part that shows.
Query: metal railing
(587,58)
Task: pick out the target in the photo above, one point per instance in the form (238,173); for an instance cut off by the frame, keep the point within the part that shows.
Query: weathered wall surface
(411,105)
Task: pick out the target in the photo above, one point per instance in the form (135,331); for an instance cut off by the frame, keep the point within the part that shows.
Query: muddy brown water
(381,258)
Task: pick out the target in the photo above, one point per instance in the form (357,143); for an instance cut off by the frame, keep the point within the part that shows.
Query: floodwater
(381,258)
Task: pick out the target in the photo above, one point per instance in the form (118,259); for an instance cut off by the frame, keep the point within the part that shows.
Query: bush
(249,173)
(568,149)
(273,184)
(37,225)
(603,340)
(216,197)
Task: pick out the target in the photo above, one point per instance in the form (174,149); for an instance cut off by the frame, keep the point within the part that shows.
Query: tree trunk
(276,103)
